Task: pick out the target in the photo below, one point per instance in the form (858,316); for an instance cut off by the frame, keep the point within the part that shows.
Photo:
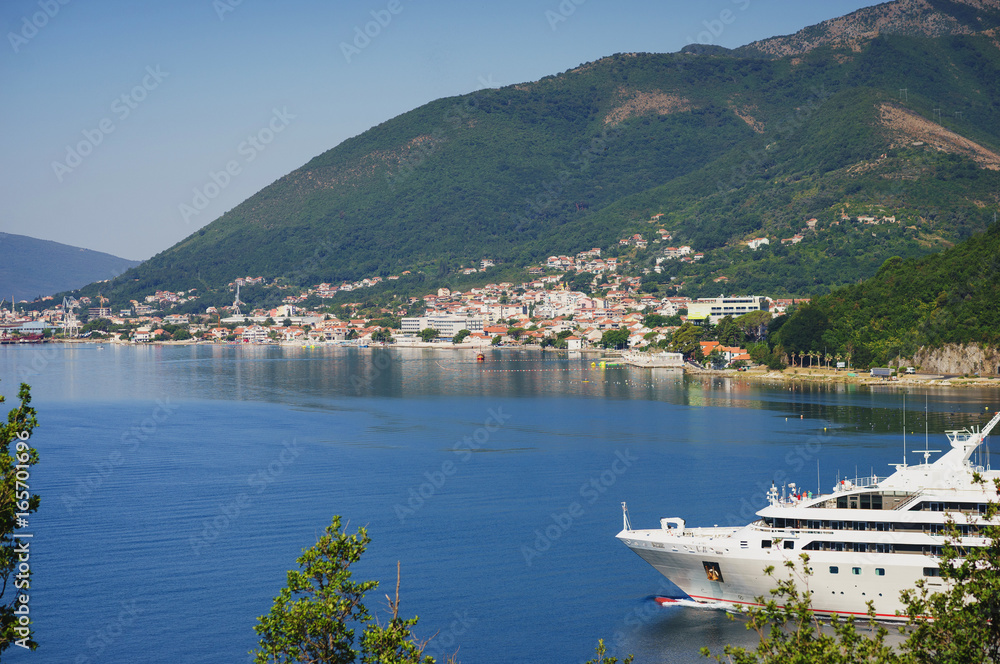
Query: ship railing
(905,505)
(850,484)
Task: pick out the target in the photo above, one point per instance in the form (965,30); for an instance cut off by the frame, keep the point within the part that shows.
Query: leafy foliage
(615,339)
(958,625)
(940,299)
(312,617)
(966,625)
(16,456)
(790,633)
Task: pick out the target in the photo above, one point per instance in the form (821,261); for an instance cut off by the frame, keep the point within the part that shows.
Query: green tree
(966,614)
(958,625)
(382,336)
(685,340)
(182,334)
(601,659)
(311,618)
(655,320)
(754,324)
(495,341)
(462,334)
(615,339)
(790,633)
(16,504)
(804,331)
(428,333)
(728,332)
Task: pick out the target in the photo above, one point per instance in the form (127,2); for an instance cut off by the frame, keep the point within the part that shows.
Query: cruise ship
(867,540)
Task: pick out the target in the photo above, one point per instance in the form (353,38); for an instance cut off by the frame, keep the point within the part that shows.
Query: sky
(127,126)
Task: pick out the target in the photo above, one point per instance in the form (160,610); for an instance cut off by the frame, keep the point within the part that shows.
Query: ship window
(842,502)
(866,501)
(743,544)
(853,500)
(855,570)
(765,544)
(932,571)
(834,570)
(789,544)
(879,571)
(876,502)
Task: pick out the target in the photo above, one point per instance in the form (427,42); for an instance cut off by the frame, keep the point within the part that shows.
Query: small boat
(480,358)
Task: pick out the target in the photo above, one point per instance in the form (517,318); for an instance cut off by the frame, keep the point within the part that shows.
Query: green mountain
(946,298)
(30,268)
(869,114)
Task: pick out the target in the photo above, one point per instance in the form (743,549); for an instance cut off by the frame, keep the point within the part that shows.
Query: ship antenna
(904,429)
(927,444)
(818,485)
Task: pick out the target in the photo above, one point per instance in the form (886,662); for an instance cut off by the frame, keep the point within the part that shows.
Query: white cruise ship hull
(867,541)
(736,575)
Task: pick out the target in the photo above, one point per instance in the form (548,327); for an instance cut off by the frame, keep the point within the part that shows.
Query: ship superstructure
(868,539)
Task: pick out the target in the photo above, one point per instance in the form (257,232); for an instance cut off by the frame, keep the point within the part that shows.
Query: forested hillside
(946,298)
(725,145)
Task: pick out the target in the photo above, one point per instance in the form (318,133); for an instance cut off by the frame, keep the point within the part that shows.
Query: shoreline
(831,376)
(790,375)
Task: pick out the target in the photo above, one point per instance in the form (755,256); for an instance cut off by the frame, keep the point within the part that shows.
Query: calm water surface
(179,484)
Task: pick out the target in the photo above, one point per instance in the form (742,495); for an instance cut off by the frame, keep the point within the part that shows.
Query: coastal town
(581,302)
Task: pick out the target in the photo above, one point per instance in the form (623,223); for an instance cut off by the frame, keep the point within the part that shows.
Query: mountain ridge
(576,159)
(30,267)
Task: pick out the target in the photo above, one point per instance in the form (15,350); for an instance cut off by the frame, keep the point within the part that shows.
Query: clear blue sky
(152,97)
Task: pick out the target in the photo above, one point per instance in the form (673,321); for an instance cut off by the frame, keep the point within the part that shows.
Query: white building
(715,309)
(447,326)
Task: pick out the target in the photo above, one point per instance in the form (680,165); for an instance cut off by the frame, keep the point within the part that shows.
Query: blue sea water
(180,483)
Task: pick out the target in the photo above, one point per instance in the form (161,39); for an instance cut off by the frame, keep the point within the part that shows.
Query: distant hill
(871,114)
(30,267)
